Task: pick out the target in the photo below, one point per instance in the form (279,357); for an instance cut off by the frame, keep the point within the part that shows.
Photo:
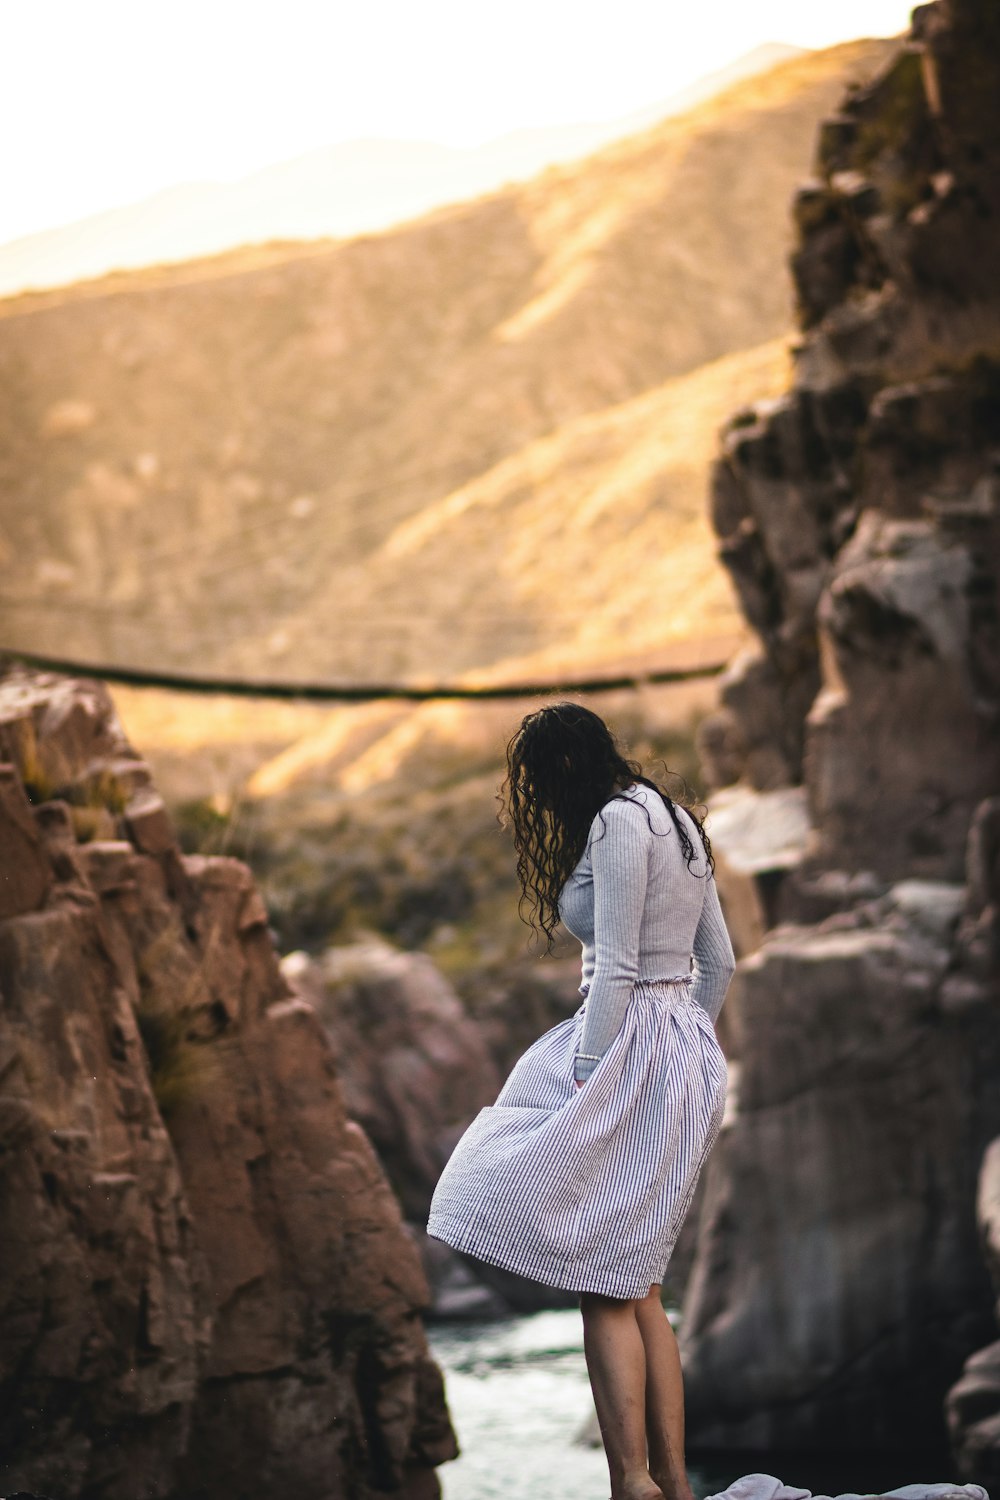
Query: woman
(580,1175)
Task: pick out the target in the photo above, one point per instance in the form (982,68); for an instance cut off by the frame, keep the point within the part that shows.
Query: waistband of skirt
(678,984)
(670,986)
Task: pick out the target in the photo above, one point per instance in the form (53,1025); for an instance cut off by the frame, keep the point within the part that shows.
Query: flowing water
(519,1395)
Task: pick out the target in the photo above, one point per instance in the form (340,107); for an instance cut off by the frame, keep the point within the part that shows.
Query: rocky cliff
(205,1285)
(839,1283)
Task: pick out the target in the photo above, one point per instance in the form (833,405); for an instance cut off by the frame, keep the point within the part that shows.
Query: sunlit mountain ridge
(353,187)
(471,445)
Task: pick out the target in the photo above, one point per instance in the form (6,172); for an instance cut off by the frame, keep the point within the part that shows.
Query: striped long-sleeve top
(642,915)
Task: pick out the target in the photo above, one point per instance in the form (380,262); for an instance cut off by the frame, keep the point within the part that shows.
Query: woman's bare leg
(616,1362)
(664,1398)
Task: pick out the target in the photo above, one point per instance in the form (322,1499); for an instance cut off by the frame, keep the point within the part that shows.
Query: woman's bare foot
(672,1489)
(640,1487)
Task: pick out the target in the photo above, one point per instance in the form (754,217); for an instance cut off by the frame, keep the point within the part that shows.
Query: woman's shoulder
(643,806)
(633,807)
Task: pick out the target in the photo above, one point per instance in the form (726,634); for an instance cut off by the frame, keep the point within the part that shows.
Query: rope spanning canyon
(359,692)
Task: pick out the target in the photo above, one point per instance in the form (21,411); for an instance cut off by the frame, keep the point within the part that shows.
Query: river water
(519,1395)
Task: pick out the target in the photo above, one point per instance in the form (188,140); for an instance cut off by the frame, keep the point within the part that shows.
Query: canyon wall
(206,1287)
(839,1282)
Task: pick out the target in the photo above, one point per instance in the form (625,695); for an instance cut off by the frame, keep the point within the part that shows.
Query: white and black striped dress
(586,1188)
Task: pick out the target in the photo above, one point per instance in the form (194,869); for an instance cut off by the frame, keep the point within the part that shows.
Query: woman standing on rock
(580,1175)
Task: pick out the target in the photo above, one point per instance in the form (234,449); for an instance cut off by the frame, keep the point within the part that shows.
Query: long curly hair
(563,765)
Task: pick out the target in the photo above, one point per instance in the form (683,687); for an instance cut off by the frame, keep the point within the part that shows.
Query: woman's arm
(620,859)
(713,960)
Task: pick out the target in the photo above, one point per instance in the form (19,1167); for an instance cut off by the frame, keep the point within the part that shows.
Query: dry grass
(477,440)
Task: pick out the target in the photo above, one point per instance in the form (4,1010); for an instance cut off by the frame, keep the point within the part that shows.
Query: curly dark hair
(563,765)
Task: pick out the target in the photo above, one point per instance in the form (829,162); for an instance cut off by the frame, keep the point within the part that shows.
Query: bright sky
(106,101)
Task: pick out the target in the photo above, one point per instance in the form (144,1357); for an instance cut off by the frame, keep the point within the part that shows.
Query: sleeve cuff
(583,1067)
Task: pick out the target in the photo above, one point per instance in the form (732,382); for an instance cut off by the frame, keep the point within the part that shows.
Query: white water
(519,1395)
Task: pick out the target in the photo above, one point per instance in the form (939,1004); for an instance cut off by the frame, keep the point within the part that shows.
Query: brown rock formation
(205,1286)
(415,1067)
(838,1284)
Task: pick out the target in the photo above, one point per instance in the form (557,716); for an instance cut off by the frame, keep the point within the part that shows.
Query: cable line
(325,692)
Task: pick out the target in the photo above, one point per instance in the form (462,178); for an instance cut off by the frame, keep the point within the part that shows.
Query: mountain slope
(350,188)
(214,466)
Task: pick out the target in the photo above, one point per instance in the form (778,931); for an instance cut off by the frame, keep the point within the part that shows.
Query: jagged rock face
(839,1192)
(897,639)
(102,1285)
(837,1286)
(895,416)
(206,1286)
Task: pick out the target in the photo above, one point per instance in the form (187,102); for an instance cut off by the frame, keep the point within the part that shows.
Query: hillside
(477,439)
(352,187)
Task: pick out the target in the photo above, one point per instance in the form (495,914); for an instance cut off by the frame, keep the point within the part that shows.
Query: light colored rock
(905,569)
(988,1211)
(767,1487)
(760,830)
(933,906)
(757,838)
(456,1291)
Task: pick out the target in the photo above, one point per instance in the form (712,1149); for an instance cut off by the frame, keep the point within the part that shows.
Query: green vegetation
(202,828)
(176,1067)
(419,858)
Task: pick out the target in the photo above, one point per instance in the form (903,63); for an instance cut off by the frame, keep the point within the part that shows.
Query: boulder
(836,1200)
(895,632)
(758,839)
(414,1069)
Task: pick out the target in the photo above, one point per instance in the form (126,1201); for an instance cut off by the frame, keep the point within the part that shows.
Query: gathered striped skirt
(586,1189)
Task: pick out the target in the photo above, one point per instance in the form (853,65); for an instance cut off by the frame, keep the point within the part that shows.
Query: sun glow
(112,101)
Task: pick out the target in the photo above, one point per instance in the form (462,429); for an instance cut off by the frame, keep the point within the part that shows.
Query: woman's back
(642,913)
